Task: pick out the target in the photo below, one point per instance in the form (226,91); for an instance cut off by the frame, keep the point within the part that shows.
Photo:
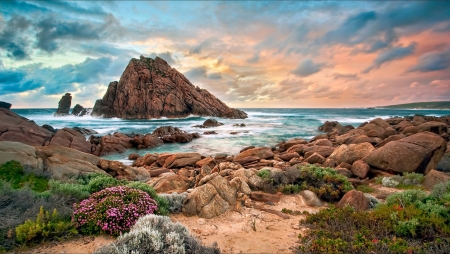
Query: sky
(249,54)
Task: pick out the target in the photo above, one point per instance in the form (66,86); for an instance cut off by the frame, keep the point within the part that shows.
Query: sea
(263,127)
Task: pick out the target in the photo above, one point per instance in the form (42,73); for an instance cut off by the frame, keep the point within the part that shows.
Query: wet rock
(64,105)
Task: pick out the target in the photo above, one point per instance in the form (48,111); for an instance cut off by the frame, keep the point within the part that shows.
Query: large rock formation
(152,89)
(16,128)
(64,105)
(5,105)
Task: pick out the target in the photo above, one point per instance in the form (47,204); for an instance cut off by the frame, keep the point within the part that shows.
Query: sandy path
(233,231)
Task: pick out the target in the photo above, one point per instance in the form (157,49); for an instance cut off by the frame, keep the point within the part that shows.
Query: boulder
(206,161)
(169,182)
(211,123)
(171,134)
(250,177)
(345,172)
(22,153)
(19,129)
(324,151)
(351,153)
(73,139)
(311,199)
(146,160)
(389,131)
(315,158)
(64,105)
(179,160)
(5,105)
(323,142)
(435,177)
(264,197)
(211,199)
(247,160)
(124,172)
(360,169)
(389,139)
(150,88)
(286,145)
(416,153)
(433,126)
(79,110)
(296,149)
(356,199)
(133,156)
(342,139)
(289,156)
(410,130)
(260,152)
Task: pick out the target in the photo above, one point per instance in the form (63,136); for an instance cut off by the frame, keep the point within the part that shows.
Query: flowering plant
(112,210)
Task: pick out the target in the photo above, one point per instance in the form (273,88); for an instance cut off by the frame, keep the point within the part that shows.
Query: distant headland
(421,105)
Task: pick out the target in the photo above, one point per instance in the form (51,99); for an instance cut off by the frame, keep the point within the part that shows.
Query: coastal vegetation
(408,222)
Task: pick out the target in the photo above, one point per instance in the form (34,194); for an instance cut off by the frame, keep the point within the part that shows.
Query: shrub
(407,181)
(45,226)
(264,173)
(113,210)
(158,235)
(12,171)
(102,182)
(406,198)
(365,188)
(76,191)
(175,201)
(441,191)
(84,179)
(163,203)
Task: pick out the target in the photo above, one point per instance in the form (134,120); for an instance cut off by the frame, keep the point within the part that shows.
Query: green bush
(406,181)
(410,221)
(12,172)
(73,190)
(264,173)
(101,182)
(175,201)
(365,188)
(45,227)
(158,235)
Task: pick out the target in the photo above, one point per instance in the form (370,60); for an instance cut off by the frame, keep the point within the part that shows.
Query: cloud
(432,61)
(215,76)
(12,41)
(307,67)
(254,58)
(391,55)
(53,80)
(52,30)
(197,49)
(167,56)
(196,73)
(345,76)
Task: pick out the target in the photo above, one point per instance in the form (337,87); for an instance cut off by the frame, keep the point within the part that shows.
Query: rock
(418,120)
(260,152)
(179,160)
(434,177)
(344,165)
(246,148)
(116,143)
(417,153)
(444,164)
(250,177)
(315,158)
(433,126)
(124,172)
(345,172)
(84,131)
(410,130)
(402,125)
(329,163)
(72,139)
(152,89)
(169,182)
(171,134)
(324,151)
(211,199)
(19,129)
(289,156)
(329,126)
(323,142)
(361,139)
(206,161)
(79,110)
(389,131)
(292,142)
(247,160)
(5,105)
(158,172)
(342,139)
(145,160)
(63,163)
(209,132)
(356,199)
(296,149)
(64,105)
(133,156)
(360,169)
(264,197)
(389,139)
(211,123)
(351,153)
(22,153)
(49,128)
(311,199)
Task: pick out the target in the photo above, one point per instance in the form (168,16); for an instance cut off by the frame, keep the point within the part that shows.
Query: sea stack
(150,88)
(64,105)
